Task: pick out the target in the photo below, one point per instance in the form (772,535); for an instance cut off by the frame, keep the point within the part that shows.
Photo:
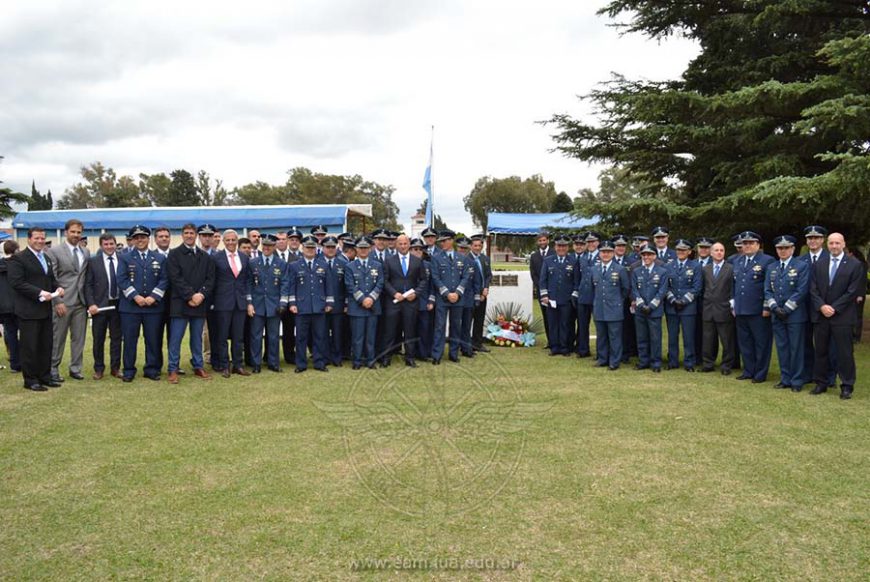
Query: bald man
(834,288)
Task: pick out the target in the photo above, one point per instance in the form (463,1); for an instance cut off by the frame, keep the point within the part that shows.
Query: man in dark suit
(536,261)
(834,289)
(485,269)
(31,277)
(718,321)
(405,283)
(191,274)
(230,305)
(7,308)
(101,292)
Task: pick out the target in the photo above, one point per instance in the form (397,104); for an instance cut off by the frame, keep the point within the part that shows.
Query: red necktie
(233,265)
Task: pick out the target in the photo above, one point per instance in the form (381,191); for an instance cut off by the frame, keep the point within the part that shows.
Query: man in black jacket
(485,272)
(101,292)
(405,285)
(7,308)
(536,261)
(718,321)
(834,290)
(191,274)
(32,279)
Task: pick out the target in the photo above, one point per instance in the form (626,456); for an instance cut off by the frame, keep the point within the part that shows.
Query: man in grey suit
(718,320)
(69,262)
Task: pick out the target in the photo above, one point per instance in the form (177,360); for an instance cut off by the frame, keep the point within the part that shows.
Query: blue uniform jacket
(559,281)
(268,288)
(310,290)
(610,292)
(147,278)
(684,284)
(749,284)
(429,296)
(788,289)
(336,273)
(451,277)
(362,282)
(648,289)
(472,297)
(585,290)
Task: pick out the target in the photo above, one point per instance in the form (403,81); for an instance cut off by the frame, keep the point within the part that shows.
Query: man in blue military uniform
(267,301)
(560,277)
(610,282)
(452,280)
(470,298)
(661,236)
(638,243)
(430,248)
(336,320)
(816,251)
(364,284)
(649,283)
(754,335)
(681,306)
(587,263)
(311,297)
(425,304)
(142,279)
(287,249)
(785,296)
(629,338)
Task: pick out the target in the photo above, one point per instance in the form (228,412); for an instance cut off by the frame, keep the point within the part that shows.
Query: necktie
(603,270)
(746,263)
(233,265)
(365,265)
(267,262)
(662,255)
(404,265)
(42,262)
(716,271)
(113,279)
(680,268)
(78,254)
(142,255)
(782,267)
(814,259)
(834,261)
(330,263)
(450,256)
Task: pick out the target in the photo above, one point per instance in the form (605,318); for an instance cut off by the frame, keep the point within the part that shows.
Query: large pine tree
(768,128)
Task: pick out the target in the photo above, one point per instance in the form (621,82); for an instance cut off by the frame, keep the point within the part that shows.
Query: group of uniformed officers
(334,298)
(808,304)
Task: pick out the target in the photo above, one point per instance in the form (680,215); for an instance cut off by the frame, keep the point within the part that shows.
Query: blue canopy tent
(532,224)
(267,218)
(5,235)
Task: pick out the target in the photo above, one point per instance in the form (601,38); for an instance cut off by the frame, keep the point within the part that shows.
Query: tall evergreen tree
(767,128)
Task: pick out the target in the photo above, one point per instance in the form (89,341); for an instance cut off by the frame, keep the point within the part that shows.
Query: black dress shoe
(127,379)
(323,369)
(726,372)
(76,376)
(385,363)
(584,355)
(51,384)
(155,378)
(640,367)
(845,392)
(483,349)
(599,364)
(255,370)
(336,364)
(371,366)
(468,355)
(453,359)
(797,388)
(706,370)
(690,368)
(612,368)
(56,380)
(411,363)
(780,385)
(36,387)
(819,389)
(356,366)
(657,370)
(299,370)
(274,369)
(744,377)
(436,362)
(757,381)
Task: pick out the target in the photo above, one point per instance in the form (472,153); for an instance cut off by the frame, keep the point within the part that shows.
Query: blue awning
(332,216)
(532,224)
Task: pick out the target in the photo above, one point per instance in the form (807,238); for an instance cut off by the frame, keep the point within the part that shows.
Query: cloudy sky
(248,90)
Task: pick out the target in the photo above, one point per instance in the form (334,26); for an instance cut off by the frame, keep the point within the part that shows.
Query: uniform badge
(276,271)
(756,268)
(373,272)
(689,272)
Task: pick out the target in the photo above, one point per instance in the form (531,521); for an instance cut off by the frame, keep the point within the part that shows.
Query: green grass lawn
(606,475)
